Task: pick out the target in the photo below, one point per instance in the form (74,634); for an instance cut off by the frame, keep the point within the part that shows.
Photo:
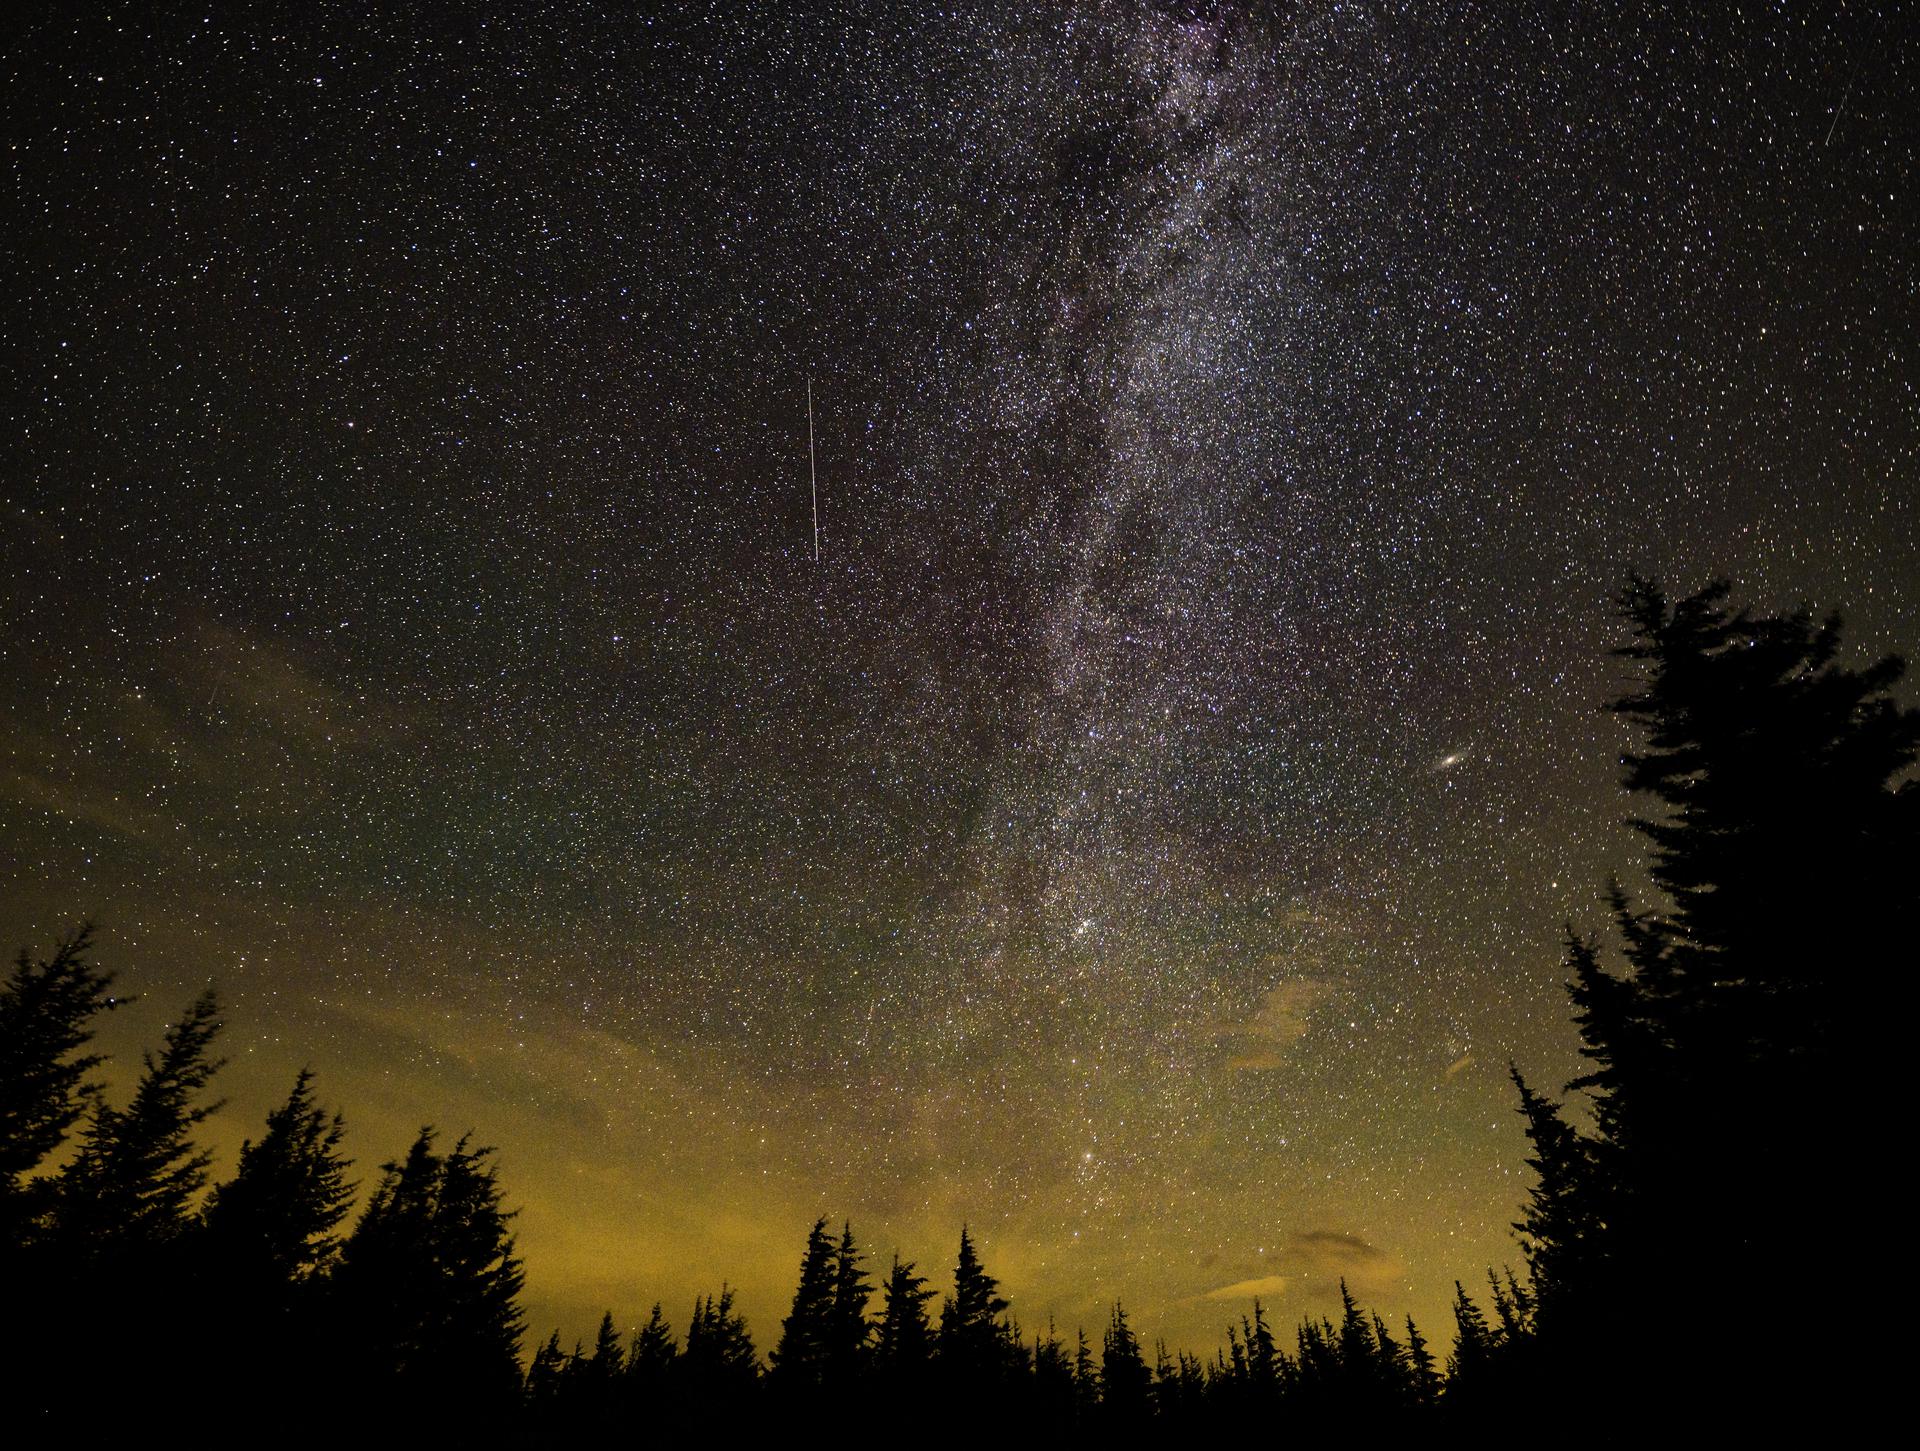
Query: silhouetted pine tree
(1560,1229)
(47,1008)
(1265,1365)
(543,1387)
(582,1393)
(848,1331)
(1086,1383)
(1393,1378)
(1180,1390)
(1513,1315)
(121,1214)
(426,1296)
(1360,1377)
(1725,1104)
(905,1339)
(1775,769)
(1052,1398)
(650,1372)
(719,1372)
(1013,1372)
(131,1188)
(1422,1372)
(798,1364)
(266,1239)
(1125,1383)
(273,1223)
(1471,1365)
(970,1352)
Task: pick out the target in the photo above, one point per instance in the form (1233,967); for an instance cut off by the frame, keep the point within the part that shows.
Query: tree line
(1720,1120)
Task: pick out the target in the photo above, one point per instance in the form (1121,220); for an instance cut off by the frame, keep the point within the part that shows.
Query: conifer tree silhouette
(592,1382)
(132,1186)
(1423,1373)
(1781,844)
(47,1008)
(847,1329)
(1053,1398)
(121,1217)
(1473,1351)
(1392,1382)
(719,1371)
(650,1360)
(274,1221)
(267,1239)
(798,1364)
(1086,1382)
(1263,1361)
(1359,1363)
(969,1329)
(904,1344)
(428,1289)
(1561,1226)
(544,1376)
(1125,1382)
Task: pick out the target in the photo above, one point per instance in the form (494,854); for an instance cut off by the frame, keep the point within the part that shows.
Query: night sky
(1146,833)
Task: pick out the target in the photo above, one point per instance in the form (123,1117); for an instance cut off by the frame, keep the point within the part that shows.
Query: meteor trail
(813,477)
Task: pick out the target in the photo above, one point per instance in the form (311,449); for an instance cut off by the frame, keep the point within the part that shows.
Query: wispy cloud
(1311,1265)
(1266,1285)
(214,722)
(1282,1019)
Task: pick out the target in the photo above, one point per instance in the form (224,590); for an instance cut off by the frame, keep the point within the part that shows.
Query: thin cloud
(1283,1018)
(1272,1285)
(1310,1266)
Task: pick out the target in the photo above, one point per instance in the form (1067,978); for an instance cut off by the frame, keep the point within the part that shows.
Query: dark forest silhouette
(1723,1122)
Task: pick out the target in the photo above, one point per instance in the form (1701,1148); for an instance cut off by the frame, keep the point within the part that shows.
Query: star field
(1146,833)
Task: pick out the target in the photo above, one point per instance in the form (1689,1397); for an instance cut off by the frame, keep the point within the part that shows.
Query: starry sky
(1145,832)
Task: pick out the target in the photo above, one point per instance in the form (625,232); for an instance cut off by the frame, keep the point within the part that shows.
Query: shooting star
(813,475)
(1846,91)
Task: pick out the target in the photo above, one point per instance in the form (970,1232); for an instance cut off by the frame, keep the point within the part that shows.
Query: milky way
(1146,833)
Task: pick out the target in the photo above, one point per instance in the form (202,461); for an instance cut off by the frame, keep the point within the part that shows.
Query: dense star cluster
(1145,833)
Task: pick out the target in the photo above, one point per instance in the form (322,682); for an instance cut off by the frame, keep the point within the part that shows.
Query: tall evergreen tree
(1561,1227)
(428,1288)
(799,1361)
(1263,1362)
(594,1381)
(1125,1383)
(719,1371)
(266,1239)
(969,1331)
(47,1008)
(1053,1396)
(544,1375)
(1473,1347)
(1086,1382)
(1423,1374)
(1780,777)
(905,1339)
(848,1331)
(1783,826)
(274,1222)
(1394,1381)
(1359,1361)
(115,1245)
(650,1361)
(131,1188)
(1322,1371)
